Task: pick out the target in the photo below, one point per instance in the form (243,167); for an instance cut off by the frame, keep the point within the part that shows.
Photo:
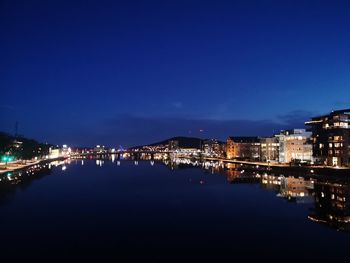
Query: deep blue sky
(131,72)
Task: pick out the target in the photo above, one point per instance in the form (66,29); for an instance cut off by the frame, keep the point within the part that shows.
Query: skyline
(133,72)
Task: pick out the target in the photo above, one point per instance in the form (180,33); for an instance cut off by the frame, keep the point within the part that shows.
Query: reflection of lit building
(332,204)
(271,182)
(295,187)
(213,148)
(247,148)
(294,146)
(331,138)
(269,149)
(238,177)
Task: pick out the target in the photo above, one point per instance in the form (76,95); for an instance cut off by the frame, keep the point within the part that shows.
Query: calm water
(156,212)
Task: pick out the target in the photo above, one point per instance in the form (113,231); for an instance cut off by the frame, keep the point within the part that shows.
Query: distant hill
(184,142)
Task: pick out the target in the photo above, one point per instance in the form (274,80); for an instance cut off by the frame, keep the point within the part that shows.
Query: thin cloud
(295,118)
(177,105)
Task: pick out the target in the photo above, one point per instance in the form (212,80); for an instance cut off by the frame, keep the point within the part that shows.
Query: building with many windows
(269,149)
(173,145)
(295,146)
(213,148)
(331,138)
(244,148)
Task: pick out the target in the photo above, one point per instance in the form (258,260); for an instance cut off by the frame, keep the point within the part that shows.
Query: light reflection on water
(330,198)
(322,201)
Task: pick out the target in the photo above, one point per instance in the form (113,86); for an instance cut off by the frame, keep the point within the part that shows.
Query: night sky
(133,72)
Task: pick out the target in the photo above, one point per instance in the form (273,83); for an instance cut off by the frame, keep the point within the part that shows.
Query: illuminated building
(54,153)
(213,148)
(99,149)
(173,145)
(244,148)
(269,149)
(295,146)
(331,138)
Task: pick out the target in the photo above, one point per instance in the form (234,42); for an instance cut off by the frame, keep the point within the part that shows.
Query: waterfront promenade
(19,165)
(12,166)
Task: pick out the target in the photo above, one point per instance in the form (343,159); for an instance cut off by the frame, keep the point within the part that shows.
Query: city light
(7,158)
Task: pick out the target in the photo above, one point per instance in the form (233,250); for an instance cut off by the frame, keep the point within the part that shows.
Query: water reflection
(328,197)
(11,181)
(332,205)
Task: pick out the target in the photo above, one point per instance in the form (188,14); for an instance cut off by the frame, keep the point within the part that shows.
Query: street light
(6,159)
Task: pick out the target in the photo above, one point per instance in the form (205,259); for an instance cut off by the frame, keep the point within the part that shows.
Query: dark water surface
(154,213)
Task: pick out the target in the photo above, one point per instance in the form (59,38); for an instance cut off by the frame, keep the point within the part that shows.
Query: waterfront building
(173,145)
(269,149)
(331,138)
(187,152)
(99,149)
(295,146)
(243,148)
(213,148)
(54,153)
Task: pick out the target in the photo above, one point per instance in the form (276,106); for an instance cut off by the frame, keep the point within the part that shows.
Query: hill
(184,142)
(20,147)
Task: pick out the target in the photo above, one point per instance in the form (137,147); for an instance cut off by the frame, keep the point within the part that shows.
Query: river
(164,211)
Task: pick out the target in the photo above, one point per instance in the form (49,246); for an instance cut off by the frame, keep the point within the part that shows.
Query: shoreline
(250,165)
(286,168)
(27,165)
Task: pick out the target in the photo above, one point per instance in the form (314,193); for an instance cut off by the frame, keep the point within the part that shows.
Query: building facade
(295,146)
(244,148)
(269,149)
(213,148)
(331,138)
(173,145)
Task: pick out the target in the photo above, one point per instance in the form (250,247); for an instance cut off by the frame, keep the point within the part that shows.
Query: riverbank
(15,166)
(286,168)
